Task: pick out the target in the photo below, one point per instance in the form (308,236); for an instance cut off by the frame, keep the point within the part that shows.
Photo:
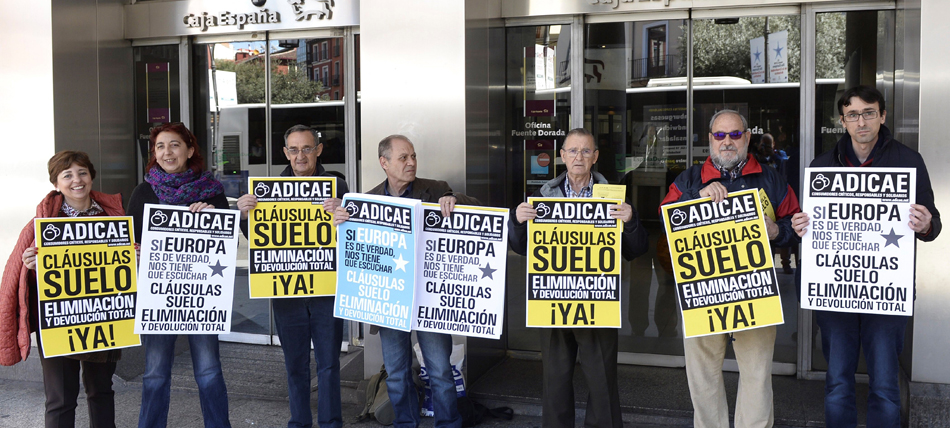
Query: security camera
(258,3)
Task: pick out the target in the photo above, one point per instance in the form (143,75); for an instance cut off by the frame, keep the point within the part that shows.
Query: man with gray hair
(730,168)
(301,321)
(594,348)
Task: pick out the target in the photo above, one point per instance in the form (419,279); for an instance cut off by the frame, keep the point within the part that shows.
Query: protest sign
(462,290)
(291,240)
(858,253)
(722,262)
(573,264)
(378,248)
(85,274)
(188,262)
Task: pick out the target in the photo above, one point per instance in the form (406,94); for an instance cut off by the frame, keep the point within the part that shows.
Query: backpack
(377,404)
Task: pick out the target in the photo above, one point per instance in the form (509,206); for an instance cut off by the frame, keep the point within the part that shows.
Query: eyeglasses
(867,115)
(574,152)
(735,135)
(305,150)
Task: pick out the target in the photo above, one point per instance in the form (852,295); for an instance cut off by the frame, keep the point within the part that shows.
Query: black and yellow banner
(573,264)
(85,269)
(722,262)
(292,240)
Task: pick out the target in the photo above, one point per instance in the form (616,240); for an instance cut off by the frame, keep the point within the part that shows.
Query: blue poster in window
(377,249)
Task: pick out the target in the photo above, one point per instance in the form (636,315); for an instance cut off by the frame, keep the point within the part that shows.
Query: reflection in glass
(635,105)
(307,89)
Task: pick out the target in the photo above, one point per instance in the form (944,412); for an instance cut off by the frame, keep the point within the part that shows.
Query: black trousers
(598,360)
(61,382)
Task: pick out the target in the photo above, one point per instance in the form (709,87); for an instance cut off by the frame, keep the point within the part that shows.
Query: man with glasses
(306,320)
(730,168)
(597,346)
(869,143)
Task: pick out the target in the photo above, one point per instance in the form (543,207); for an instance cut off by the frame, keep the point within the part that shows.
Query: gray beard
(728,166)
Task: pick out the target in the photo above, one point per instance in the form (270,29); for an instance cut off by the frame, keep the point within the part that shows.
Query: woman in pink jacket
(71,173)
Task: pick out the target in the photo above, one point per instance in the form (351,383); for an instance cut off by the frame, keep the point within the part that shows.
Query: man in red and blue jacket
(730,168)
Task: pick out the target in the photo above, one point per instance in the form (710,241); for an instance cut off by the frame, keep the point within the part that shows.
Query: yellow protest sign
(722,262)
(767,207)
(292,240)
(573,264)
(85,274)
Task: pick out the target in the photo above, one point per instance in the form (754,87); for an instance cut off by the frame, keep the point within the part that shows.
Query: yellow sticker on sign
(292,240)
(722,262)
(573,264)
(85,272)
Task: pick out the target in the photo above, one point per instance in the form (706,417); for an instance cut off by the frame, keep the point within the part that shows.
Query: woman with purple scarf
(175,175)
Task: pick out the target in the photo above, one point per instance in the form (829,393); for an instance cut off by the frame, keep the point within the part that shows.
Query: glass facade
(649,88)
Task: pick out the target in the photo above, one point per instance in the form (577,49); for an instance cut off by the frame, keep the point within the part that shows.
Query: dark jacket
(633,239)
(427,190)
(341,187)
(687,185)
(143,194)
(890,153)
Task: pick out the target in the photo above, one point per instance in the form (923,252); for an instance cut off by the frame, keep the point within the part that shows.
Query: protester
(731,168)
(175,175)
(71,173)
(302,321)
(397,157)
(869,143)
(597,346)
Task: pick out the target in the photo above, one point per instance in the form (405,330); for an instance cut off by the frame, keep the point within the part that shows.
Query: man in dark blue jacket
(730,168)
(868,143)
(301,321)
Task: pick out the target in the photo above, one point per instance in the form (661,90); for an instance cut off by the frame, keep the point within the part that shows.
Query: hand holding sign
(29,258)
(525,212)
(920,219)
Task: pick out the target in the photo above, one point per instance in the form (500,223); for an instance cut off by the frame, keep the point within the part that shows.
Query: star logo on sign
(487,271)
(401,263)
(217,269)
(778,51)
(757,54)
(891,238)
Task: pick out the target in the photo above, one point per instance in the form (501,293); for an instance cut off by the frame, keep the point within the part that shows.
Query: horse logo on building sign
(324,9)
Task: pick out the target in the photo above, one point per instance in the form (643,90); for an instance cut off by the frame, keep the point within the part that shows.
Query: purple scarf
(183,188)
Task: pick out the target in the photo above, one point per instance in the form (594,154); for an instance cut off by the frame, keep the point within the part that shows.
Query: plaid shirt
(586,191)
(734,173)
(93,209)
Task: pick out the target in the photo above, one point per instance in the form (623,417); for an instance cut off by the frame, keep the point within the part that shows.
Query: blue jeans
(156,382)
(436,350)
(300,322)
(882,337)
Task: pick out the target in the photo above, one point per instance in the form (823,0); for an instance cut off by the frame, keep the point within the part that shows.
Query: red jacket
(17,279)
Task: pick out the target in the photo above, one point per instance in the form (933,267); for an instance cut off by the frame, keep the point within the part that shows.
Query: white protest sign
(858,253)
(186,274)
(461,289)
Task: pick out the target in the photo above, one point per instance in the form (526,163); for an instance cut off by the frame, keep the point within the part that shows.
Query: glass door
(538,102)
(247,93)
(649,89)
